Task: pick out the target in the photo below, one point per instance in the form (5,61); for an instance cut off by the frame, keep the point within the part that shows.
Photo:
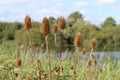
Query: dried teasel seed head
(54,28)
(45,29)
(95,62)
(18,61)
(27,22)
(28,78)
(83,51)
(61,23)
(93,43)
(89,63)
(100,70)
(78,40)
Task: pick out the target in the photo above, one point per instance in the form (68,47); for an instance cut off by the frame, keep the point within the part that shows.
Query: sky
(94,11)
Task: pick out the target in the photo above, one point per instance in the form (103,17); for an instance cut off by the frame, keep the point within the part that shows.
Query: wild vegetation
(55,49)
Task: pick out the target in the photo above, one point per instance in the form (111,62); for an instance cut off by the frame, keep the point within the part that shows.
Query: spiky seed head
(61,23)
(27,22)
(83,51)
(95,62)
(54,28)
(28,78)
(78,40)
(18,61)
(100,70)
(93,43)
(89,63)
(45,29)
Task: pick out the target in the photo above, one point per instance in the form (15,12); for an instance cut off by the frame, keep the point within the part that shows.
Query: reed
(45,29)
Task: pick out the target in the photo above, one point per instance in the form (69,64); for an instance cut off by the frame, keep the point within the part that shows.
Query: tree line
(107,35)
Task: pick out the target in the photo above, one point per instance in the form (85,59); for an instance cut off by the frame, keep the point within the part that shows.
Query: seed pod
(83,51)
(54,28)
(100,70)
(18,62)
(89,63)
(61,23)
(78,40)
(45,29)
(27,22)
(93,43)
(28,78)
(95,62)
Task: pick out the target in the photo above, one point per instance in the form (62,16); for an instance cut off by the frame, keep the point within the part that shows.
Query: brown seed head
(93,43)
(95,62)
(18,62)
(45,29)
(27,22)
(54,28)
(89,63)
(78,40)
(100,70)
(61,23)
(83,51)
(28,78)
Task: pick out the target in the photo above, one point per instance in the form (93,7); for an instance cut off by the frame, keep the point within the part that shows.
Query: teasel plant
(77,44)
(45,30)
(54,31)
(27,25)
(93,43)
(61,26)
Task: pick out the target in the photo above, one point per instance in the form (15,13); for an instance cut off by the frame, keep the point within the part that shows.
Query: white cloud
(106,1)
(79,4)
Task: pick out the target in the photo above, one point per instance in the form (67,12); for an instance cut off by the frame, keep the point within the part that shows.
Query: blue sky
(94,11)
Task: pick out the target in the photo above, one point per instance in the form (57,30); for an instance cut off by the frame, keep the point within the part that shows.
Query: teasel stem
(75,63)
(87,62)
(35,57)
(55,39)
(47,51)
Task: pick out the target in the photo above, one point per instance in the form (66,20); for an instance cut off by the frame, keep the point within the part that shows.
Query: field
(105,68)
(30,62)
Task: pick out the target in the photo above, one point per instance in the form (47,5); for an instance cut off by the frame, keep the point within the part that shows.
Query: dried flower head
(27,22)
(89,63)
(18,61)
(95,62)
(83,51)
(93,43)
(45,29)
(28,78)
(54,28)
(100,70)
(78,40)
(61,23)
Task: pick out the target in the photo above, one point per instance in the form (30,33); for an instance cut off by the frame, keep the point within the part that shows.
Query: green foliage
(109,22)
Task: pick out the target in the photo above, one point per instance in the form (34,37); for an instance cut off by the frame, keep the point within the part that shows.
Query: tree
(73,18)
(109,22)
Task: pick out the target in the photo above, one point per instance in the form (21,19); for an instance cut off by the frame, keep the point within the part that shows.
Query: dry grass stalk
(45,29)
(78,40)
(61,23)
(27,22)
